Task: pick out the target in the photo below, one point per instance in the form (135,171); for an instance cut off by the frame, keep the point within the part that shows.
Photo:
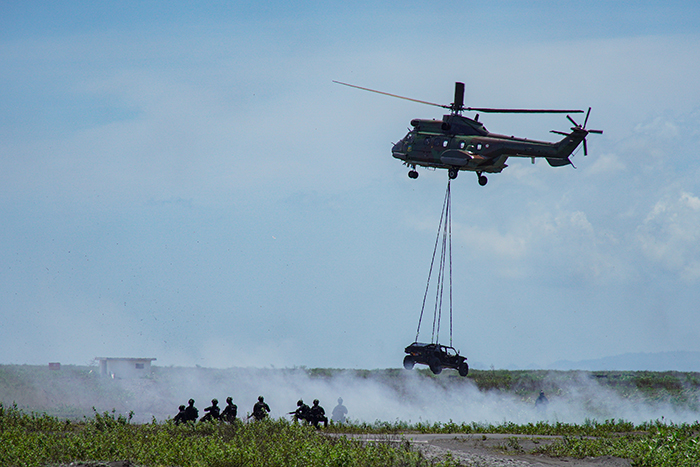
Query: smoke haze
(381,395)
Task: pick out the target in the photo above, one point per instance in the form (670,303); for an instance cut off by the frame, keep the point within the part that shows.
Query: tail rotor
(576,128)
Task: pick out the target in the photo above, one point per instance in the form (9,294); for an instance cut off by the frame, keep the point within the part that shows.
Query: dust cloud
(378,395)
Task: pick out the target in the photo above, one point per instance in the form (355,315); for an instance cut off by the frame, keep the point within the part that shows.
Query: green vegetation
(654,445)
(40,440)
(590,428)
(647,445)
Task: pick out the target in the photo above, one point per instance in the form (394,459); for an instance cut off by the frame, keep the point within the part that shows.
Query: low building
(124,367)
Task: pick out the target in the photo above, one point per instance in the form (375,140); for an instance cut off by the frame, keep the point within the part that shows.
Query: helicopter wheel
(452,173)
(483,180)
(413,174)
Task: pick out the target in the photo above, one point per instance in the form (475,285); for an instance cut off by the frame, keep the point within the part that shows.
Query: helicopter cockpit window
(409,138)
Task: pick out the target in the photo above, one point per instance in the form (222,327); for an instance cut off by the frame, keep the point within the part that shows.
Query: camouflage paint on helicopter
(460,143)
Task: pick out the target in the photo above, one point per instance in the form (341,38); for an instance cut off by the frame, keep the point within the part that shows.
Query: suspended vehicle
(460,143)
(434,354)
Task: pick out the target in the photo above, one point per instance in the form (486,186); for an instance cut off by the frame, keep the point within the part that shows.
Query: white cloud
(605,164)
(670,234)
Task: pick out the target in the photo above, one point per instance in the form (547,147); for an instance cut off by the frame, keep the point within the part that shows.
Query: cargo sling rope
(444,231)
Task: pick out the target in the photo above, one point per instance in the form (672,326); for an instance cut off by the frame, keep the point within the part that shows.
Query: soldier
(339,412)
(541,402)
(213,411)
(230,411)
(260,409)
(180,417)
(317,414)
(301,413)
(191,412)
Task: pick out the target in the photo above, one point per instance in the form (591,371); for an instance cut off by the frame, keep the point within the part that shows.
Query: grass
(652,445)
(40,440)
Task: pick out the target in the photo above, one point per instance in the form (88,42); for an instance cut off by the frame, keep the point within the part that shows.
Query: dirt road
(494,450)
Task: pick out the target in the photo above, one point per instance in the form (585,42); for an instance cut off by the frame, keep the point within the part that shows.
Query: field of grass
(40,440)
(50,426)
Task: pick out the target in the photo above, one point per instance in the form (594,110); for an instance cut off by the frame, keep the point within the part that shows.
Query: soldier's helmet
(191,401)
(315,401)
(229,399)
(300,402)
(182,407)
(214,401)
(261,398)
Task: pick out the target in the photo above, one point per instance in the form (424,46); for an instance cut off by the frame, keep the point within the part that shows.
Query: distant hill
(660,361)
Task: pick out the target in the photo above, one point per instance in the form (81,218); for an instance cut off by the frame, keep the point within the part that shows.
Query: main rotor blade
(393,95)
(523,111)
(586,120)
(457,105)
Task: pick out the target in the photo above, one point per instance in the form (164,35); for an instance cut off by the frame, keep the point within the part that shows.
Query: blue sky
(185,182)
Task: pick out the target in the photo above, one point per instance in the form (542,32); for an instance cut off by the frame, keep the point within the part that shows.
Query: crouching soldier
(230,411)
(302,412)
(317,415)
(260,409)
(339,412)
(191,412)
(180,417)
(212,411)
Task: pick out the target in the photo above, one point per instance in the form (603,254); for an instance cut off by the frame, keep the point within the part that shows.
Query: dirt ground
(496,450)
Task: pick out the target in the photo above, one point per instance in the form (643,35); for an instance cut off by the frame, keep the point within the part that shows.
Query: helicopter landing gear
(413,174)
(482,179)
(452,173)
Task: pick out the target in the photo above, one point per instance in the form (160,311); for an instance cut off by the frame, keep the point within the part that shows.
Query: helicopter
(461,143)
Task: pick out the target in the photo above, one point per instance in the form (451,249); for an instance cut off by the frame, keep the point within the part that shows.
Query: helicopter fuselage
(460,143)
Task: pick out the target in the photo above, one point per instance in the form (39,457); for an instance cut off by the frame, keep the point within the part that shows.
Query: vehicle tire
(483,180)
(413,174)
(463,369)
(452,173)
(408,362)
(435,367)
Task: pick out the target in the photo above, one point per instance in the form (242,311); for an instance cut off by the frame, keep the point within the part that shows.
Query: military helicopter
(460,143)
